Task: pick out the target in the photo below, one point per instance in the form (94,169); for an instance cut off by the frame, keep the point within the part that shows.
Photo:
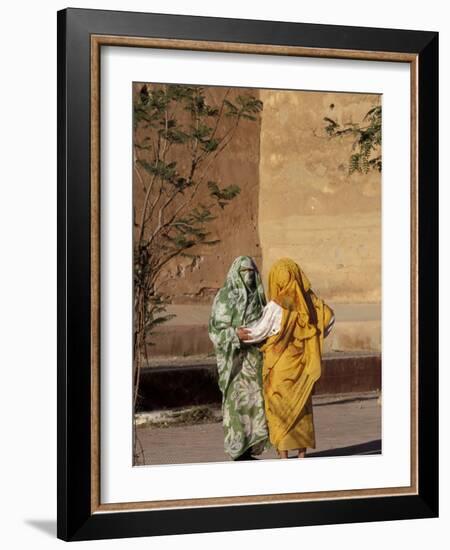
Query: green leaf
(224,194)
(210,145)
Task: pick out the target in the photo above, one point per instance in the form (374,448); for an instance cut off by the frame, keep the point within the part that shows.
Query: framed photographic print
(247,270)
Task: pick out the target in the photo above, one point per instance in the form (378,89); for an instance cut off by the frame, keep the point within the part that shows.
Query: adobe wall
(310,209)
(236,225)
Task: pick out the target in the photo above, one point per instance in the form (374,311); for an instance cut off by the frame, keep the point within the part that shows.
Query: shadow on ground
(47,526)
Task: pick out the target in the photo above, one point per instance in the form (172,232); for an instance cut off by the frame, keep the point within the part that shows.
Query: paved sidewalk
(345,425)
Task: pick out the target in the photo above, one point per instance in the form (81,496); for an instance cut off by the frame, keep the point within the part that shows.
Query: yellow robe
(293,357)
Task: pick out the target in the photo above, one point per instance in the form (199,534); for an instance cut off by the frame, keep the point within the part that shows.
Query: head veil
(235,305)
(243,304)
(291,289)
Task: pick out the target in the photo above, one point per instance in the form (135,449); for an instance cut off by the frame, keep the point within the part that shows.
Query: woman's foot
(301,453)
(283,454)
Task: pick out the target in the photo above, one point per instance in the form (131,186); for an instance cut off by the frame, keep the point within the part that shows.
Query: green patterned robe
(238,303)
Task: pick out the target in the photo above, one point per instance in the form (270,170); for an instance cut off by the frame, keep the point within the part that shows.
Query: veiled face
(283,278)
(246,271)
(243,291)
(286,283)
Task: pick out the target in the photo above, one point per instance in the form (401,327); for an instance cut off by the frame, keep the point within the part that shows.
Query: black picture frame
(76,520)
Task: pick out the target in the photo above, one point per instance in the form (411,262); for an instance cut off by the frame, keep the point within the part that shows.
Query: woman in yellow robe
(293,358)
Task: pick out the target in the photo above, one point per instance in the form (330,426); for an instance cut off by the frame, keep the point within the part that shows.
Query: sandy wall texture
(310,208)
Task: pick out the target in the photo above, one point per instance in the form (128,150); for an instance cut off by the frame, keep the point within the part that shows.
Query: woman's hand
(243,334)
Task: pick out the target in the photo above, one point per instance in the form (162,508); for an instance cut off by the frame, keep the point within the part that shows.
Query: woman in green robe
(238,303)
